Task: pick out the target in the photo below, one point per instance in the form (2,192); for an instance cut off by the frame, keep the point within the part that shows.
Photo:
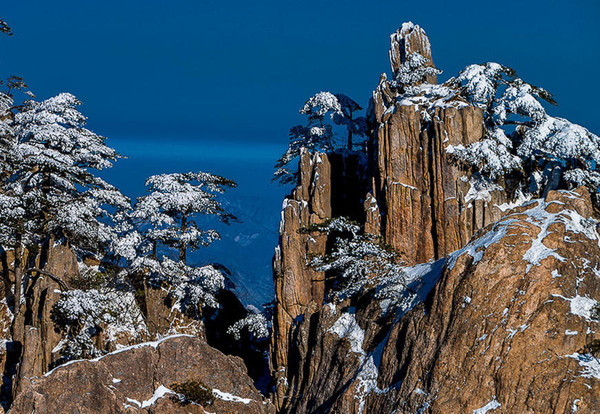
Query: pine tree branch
(58,280)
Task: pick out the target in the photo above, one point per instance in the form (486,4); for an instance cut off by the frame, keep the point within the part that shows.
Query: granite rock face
(507,325)
(138,380)
(430,207)
(297,286)
(496,311)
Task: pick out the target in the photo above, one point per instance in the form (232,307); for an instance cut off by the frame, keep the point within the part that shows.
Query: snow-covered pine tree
(318,134)
(167,218)
(355,260)
(520,136)
(57,159)
(49,190)
(5,28)
(174,202)
(415,70)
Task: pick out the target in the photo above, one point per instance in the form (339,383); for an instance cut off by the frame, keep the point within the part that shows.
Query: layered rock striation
(493,311)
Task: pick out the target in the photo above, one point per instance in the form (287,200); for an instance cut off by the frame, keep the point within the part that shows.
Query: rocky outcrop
(411,194)
(34,334)
(507,327)
(35,340)
(410,38)
(429,206)
(297,286)
(138,379)
(494,309)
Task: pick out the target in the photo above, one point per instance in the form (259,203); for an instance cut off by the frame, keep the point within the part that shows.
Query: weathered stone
(127,381)
(428,211)
(163,319)
(296,284)
(40,336)
(498,330)
(410,38)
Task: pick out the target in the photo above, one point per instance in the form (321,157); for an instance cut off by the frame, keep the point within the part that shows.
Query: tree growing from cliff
(520,136)
(323,110)
(356,260)
(167,218)
(48,189)
(415,70)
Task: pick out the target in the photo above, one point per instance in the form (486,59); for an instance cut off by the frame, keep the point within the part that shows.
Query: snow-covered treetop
(4,28)
(318,134)
(414,71)
(49,176)
(52,136)
(519,131)
(318,105)
(172,195)
(167,213)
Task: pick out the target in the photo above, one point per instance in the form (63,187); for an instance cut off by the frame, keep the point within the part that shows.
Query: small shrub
(90,279)
(593,348)
(193,392)
(595,313)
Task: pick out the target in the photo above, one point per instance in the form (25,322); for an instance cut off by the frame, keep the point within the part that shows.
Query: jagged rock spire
(410,38)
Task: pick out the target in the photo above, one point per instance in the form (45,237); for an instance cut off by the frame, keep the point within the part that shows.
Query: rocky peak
(410,38)
(487,273)
(429,207)
(504,323)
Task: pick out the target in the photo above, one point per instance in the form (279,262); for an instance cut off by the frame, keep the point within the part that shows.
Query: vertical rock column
(299,288)
(428,205)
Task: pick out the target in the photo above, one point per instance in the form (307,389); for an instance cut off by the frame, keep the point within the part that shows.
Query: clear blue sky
(239,70)
(215,85)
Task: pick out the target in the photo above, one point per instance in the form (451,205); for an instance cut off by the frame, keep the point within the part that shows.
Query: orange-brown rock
(138,380)
(297,285)
(506,328)
(410,38)
(429,206)
(40,337)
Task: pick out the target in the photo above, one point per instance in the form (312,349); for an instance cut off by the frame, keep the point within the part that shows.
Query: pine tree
(318,134)
(167,218)
(520,136)
(48,187)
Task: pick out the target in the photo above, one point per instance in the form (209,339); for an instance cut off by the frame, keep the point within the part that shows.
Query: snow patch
(225,396)
(492,405)
(159,393)
(347,327)
(589,363)
(580,306)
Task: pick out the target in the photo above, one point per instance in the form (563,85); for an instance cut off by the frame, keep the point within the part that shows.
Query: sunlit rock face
(141,378)
(430,206)
(493,312)
(504,322)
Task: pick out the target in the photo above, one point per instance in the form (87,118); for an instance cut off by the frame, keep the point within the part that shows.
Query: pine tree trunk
(18,325)
(183,245)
